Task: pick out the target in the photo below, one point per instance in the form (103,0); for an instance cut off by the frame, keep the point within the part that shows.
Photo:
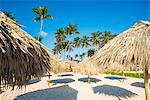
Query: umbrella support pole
(49,82)
(122,80)
(89,81)
(146,84)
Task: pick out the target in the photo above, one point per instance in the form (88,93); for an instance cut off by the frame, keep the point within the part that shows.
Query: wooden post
(123,74)
(89,81)
(146,83)
(49,81)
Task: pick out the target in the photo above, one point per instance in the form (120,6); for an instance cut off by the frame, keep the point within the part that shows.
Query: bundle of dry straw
(21,56)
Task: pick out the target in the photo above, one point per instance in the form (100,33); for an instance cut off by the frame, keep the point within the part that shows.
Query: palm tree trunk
(63,55)
(68,42)
(146,84)
(41,26)
(69,39)
(79,56)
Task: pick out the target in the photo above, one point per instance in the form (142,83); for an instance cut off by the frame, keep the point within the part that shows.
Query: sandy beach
(71,86)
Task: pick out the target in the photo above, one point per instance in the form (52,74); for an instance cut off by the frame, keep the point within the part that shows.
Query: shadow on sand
(91,79)
(139,84)
(63,75)
(65,80)
(114,78)
(33,81)
(59,93)
(113,91)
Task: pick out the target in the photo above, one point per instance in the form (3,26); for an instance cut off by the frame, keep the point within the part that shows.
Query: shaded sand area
(71,86)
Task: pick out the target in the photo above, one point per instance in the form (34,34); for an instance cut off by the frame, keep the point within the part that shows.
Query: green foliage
(76,42)
(71,29)
(85,41)
(41,12)
(96,38)
(134,75)
(91,52)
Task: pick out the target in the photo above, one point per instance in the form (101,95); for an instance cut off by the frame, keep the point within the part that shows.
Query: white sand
(106,89)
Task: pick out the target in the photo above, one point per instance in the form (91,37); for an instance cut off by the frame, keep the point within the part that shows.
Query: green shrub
(134,75)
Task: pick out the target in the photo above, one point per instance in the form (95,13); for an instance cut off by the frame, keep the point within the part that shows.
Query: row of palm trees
(63,41)
(63,44)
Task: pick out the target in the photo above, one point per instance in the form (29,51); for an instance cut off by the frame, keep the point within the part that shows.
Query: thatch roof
(130,47)
(71,63)
(87,67)
(21,56)
(58,66)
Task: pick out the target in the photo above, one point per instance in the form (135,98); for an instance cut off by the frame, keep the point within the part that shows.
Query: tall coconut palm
(85,41)
(57,47)
(60,36)
(76,43)
(70,30)
(60,40)
(42,13)
(95,38)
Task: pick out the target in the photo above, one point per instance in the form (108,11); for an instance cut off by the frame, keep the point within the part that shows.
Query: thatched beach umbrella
(87,67)
(58,65)
(21,56)
(71,65)
(130,47)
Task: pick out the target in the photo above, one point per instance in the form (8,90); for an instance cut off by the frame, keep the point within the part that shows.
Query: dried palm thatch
(21,56)
(71,66)
(87,67)
(130,47)
(58,65)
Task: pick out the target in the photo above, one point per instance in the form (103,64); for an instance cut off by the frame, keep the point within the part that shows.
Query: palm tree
(106,36)
(85,41)
(77,42)
(41,13)
(10,15)
(68,47)
(95,38)
(60,35)
(91,52)
(60,40)
(70,30)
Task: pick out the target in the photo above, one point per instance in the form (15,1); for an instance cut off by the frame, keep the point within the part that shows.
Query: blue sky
(89,15)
